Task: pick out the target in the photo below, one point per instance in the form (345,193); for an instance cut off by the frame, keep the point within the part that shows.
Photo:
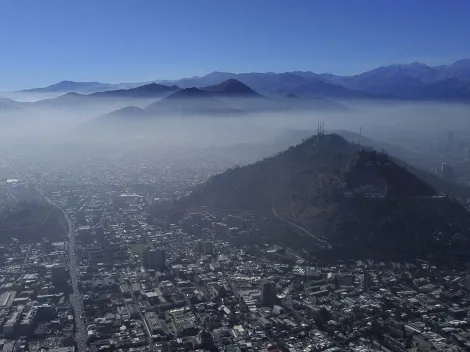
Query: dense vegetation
(31,222)
(361,201)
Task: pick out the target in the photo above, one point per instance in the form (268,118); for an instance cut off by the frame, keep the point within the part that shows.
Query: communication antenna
(360,135)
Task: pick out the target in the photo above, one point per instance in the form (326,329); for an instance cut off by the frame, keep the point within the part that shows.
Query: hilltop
(232,88)
(151,90)
(359,201)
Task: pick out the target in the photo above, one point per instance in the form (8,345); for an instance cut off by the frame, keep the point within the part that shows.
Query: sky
(47,41)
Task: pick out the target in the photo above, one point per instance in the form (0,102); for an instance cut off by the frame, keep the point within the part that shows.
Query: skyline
(119,41)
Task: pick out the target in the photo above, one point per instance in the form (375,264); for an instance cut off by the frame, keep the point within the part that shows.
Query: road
(75,297)
(320,240)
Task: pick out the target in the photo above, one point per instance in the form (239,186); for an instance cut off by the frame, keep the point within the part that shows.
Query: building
(367,281)
(59,275)
(6,298)
(99,232)
(133,311)
(204,247)
(221,230)
(345,279)
(268,294)
(447,171)
(10,329)
(198,247)
(47,246)
(81,218)
(27,323)
(154,259)
(153,322)
(207,248)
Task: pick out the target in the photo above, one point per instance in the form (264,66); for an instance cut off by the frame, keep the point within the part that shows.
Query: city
(115,278)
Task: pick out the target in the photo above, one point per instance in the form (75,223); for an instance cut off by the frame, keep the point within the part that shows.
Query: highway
(75,297)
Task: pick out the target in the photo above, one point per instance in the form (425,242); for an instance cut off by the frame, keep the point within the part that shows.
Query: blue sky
(46,41)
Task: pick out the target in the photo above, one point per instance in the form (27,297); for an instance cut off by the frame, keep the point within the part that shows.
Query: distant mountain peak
(462,64)
(215,73)
(232,87)
(192,92)
(154,86)
(412,65)
(292,95)
(69,86)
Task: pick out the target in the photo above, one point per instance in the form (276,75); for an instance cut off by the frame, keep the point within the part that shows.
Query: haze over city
(234,176)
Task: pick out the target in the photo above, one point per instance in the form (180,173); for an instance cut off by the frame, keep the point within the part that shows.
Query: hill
(71,86)
(7,104)
(72,99)
(151,90)
(242,97)
(232,88)
(129,112)
(315,87)
(360,202)
(31,222)
(191,102)
(81,87)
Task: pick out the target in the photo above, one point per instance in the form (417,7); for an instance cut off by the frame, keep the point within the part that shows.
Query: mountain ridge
(415,81)
(230,98)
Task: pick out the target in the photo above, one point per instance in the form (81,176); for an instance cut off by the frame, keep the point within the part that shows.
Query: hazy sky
(43,42)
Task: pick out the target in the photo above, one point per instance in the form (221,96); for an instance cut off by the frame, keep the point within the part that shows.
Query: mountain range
(185,102)
(415,81)
(353,202)
(81,87)
(227,99)
(147,91)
